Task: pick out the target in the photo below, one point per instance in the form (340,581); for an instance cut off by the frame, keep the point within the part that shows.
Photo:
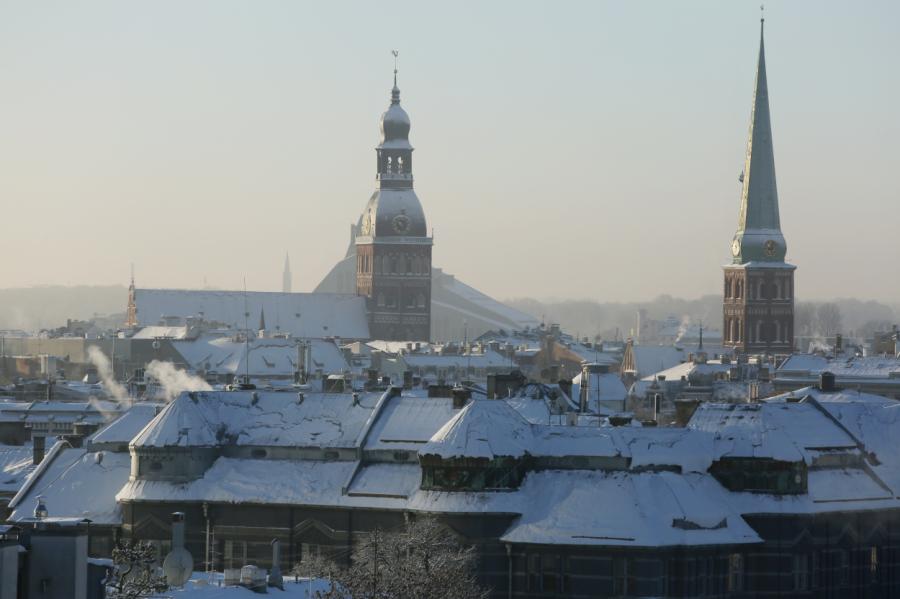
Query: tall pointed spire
(759,236)
(286,277)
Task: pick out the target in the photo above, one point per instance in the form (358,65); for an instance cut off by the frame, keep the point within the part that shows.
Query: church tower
(393,249)
(759,284)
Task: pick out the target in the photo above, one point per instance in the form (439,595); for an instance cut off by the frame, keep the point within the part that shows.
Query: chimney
(40,509)
(407,380)
(461,397)
(177,530)
(39,446)
(827,382)
(275,579)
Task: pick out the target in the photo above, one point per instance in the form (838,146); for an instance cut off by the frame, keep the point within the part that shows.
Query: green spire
(758,236)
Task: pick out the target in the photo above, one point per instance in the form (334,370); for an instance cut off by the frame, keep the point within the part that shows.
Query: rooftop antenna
(246,336)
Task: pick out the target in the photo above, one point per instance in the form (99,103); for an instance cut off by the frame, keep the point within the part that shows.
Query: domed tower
(759,285)
(393,249)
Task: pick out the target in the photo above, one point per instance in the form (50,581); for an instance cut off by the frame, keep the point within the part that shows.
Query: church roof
(759,234)
(312,315)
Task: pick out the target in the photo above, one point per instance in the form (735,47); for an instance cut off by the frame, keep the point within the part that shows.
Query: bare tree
(424,561)
(135,573)
(828,316)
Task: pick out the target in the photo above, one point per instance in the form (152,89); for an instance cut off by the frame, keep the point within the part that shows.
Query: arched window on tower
(740,330)
(394,265)
(400,164)
(381,300)
(777,331)
(760,331)
(390,165)
(420,300)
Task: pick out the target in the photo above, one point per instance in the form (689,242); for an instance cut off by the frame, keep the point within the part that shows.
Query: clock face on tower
(770,247)
(735,247)
(400,223)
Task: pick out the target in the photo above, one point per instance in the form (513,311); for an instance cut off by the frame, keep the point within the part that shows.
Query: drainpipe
(509,568)
(206,516)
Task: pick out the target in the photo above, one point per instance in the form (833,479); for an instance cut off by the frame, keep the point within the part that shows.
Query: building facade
(758,303)
(393,250)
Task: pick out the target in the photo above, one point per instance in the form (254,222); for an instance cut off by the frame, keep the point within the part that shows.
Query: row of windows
(393,299)
(779,289)
(392,264)
(705,576)
(759,331)
(394,164)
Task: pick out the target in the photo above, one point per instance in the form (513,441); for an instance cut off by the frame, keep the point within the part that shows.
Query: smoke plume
(112,387)
(174,381)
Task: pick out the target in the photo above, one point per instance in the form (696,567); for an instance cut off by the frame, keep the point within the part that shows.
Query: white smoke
(682,328)
(174,381)
(113,388)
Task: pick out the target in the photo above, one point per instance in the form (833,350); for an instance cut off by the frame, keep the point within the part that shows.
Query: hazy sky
(563,149)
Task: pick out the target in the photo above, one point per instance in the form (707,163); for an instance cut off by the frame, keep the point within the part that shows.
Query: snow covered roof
(483,429)
(268,482)
(811,365)
(408,423)
(15,466)
(161,332)
(777,430)
(602,386)
(623,509)
(265,357)
(211,419)
(77,484)
(650,359)
(314,315)
(488,359)
(126,427)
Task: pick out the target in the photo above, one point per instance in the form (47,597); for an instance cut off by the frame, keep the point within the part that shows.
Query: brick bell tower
(758,302)
(393,249)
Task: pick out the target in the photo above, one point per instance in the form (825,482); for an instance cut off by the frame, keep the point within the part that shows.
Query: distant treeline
(588,318)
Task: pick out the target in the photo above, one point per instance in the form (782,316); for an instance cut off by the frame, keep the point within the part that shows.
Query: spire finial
(395,93)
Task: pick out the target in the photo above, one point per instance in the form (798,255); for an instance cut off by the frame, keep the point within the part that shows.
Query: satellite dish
(178,567)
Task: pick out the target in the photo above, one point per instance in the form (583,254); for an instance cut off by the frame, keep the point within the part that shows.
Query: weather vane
(396,53)
(762,12)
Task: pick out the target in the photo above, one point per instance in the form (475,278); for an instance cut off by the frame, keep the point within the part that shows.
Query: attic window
(259,453)
(331,455)
(155,466)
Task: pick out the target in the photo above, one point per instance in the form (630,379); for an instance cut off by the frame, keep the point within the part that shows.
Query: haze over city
(597,145)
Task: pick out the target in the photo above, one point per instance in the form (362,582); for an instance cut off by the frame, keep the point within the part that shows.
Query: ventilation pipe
(275,579)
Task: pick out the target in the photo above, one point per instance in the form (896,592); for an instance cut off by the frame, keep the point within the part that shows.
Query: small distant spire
(262,319)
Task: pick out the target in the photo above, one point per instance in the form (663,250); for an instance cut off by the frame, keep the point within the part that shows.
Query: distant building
(393,249)
(310,315)
(388,260)
(759,285)
(872,374)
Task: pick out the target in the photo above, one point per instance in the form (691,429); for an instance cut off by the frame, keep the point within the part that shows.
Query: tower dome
(395,122)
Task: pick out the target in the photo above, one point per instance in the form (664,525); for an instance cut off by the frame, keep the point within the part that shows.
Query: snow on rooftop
(126,427)
(622,509)
(209,419)
(266,482)
(15,466)
(314,315)
(409,422)
(263,357)
(781,431)
(483,429)
(78,484)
